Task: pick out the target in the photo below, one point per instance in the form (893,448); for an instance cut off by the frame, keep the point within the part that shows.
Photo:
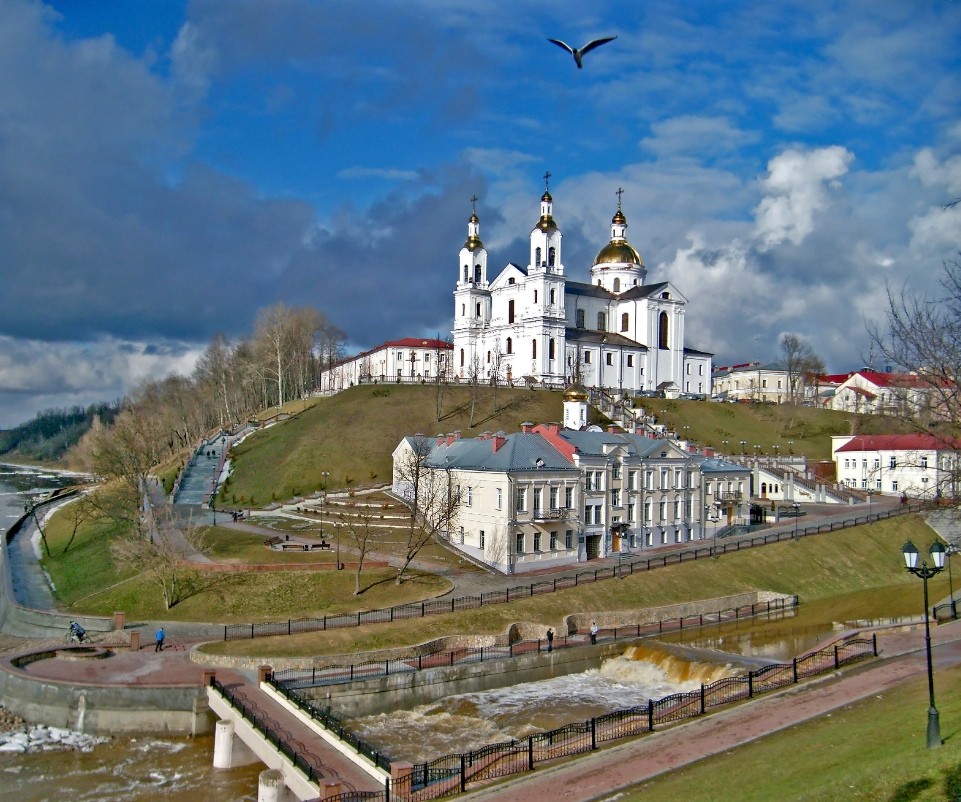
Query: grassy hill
(351,435)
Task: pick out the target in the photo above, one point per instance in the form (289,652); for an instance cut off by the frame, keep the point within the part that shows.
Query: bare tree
(922,340)
(160,555)
(77,512)
(474,371)
(433,498)
(801,362)
(358,523)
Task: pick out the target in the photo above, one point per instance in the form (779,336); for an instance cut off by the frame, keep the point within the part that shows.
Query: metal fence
(625,567)
(451,774)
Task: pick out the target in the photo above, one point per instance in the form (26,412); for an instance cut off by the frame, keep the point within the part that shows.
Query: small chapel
(532,324)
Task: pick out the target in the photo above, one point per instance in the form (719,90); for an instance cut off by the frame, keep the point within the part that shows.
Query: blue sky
(168,168)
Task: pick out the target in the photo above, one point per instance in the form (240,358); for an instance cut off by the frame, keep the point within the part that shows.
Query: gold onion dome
(473,242)
(619,251)
(575,393)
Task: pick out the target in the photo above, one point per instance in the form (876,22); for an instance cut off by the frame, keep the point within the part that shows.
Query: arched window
(463,310)
(535,296)
(477,274)
(625,321)
(510,346)
(477,310)
(534,349)
(551,256)
(537,257)
(550,348)
(601,321)
(553,297)
(510,311)
(579,318)
(462,357)
(662,338)
(488,357)
(666,296)
(465,273)
(617,285)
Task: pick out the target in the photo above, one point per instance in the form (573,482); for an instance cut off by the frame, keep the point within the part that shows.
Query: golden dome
(618,251)
(546,197)
(619,218)
(473,244)
(575,393)
(546,223)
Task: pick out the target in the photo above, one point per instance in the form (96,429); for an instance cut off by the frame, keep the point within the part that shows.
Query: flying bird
(579,54)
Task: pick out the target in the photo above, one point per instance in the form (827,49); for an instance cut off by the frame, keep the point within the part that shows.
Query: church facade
(534,324)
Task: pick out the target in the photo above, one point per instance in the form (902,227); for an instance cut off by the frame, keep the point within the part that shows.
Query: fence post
(703,700)
(452,605)
(874,639)
(288,626)
(386,668)
(593,734)
(835,656)
(225,632)
(325,623)
(750,684)
(650,715)
(530,753)
(463,773)
(313,675)
(795,671)
(251,631)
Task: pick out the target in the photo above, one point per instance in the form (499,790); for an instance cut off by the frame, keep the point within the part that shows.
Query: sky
(169,168)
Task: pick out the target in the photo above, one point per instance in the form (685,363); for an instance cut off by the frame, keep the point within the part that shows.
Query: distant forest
(53,432)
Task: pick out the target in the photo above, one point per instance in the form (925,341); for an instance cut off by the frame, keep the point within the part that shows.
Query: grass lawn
(87,581)
(816,568)
(871,750)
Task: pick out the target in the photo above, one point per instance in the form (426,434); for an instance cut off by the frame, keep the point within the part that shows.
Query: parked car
(691,396)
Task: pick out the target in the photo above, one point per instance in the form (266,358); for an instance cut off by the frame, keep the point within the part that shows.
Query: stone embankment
(17,736)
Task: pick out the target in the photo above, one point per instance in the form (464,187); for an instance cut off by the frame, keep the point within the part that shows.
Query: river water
(142,769)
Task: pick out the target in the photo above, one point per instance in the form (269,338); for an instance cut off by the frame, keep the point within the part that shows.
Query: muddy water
(127,770)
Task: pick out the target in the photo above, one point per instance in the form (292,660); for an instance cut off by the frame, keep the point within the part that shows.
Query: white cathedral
(533,324)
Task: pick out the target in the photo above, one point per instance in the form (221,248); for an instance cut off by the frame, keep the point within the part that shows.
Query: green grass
(817,569)
(352,435)
(871,750)
(765,425)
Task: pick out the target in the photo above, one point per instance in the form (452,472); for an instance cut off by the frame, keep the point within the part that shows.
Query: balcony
(553,514)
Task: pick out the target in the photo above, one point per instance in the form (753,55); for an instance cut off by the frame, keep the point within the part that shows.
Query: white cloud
(796,189)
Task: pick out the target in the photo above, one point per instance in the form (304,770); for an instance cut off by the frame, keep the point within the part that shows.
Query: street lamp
(910,552)
(713,512)
(724,444)
(323,516)
(790,445)
(951,549)
(743,445)
(797,511)
(775,448)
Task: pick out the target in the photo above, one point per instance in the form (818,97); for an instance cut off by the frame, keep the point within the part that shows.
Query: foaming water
(469,721)
(138,770)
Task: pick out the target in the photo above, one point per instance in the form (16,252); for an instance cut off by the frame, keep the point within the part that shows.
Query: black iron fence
(625,567)
(451,774)
(293,678)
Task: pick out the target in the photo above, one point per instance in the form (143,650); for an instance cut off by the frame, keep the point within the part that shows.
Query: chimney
(612,429)
(451,437)
(709,452)
(527,427)
(497,441)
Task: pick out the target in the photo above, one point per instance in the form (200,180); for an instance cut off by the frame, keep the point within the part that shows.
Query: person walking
(160,640)
(550,639)
(593,633)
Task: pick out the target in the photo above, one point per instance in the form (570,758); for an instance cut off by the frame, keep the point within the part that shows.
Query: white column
(270,787)
(223,744)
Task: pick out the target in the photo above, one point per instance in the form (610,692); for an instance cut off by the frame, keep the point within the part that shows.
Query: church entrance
(592,545)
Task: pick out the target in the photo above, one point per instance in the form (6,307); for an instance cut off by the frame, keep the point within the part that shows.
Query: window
(537,541)
(554,493)
(477,274)
(579,318)
(510,311)
(924,462)
(601,321)
(632,480)
(630,360)
(677,509)
(521,499)
(520,542)
(465,272)
(534,349)
(893,464)
(550,348)
(662,331)
(553,541)
(615,498)
(569,539)
(647,512)
(616,470)
(537,499)
(664,478)
(630,512)
(477,310)
(535,296)
(617,285)
(500,498)
(551,256)
(553,297)
(511,280)
(569,497)
(587,357)
(609,358)
(482,539)
(510,345)
(894,485)
(662,511)
(468,496)
(488,357)
(537,256)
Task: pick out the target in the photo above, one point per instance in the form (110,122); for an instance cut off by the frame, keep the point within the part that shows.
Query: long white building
(535,324)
